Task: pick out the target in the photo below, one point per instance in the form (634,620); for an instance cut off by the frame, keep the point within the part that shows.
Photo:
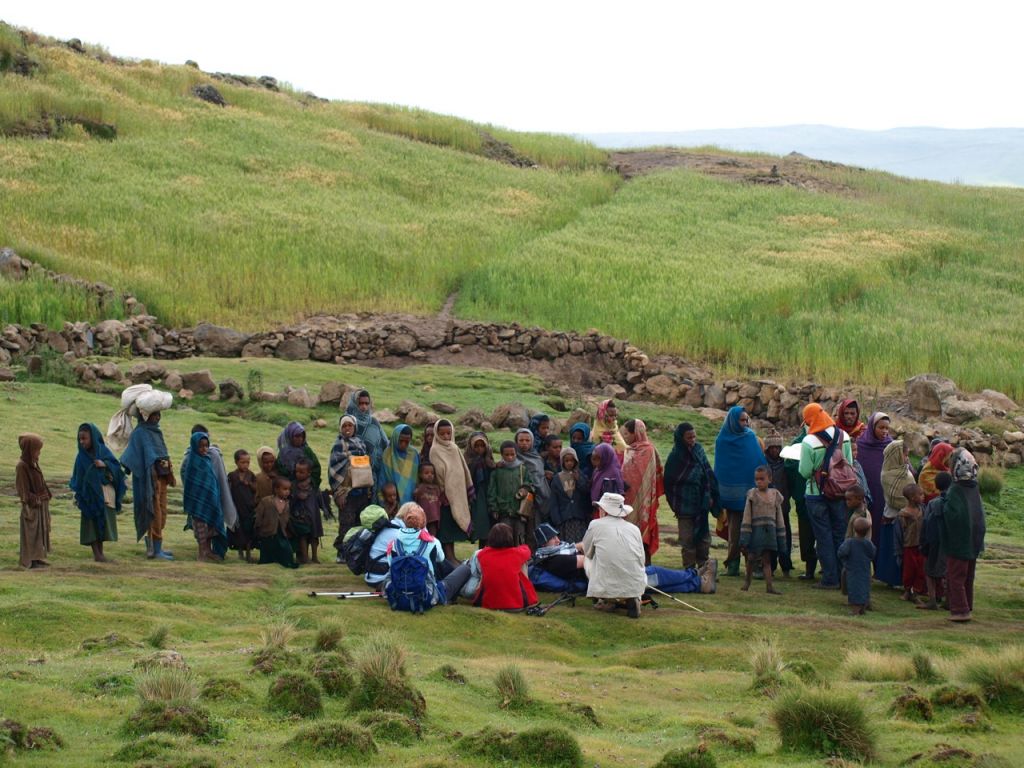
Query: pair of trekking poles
(347,595)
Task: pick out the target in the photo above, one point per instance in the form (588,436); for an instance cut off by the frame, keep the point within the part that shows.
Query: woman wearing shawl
(606,476)
(540,426)
(737,454)
(962,534)
(480,460)
(870,450)
(571,508)
(401,464)
(848,418)
(642,475)
(828,515)
(35,497)
(267,461)
(202,502)
(292,446)
(579,441)
(896,475)
(535,468)
(938,461)
(691,491)
(149,464)
(98,483)
(350,501)
(453,476)
(369,430)
(606,427)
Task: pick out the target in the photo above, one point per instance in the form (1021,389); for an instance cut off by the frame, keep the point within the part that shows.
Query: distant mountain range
(986,156)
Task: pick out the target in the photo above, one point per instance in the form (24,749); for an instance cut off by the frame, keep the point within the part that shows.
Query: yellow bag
(360,472)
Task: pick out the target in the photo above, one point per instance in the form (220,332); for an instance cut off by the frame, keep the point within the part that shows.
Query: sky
(588,67)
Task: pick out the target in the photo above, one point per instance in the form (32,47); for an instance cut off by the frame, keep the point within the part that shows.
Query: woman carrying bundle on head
(99,486)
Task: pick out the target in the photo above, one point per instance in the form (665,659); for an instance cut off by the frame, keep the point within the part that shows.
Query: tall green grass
(37,300)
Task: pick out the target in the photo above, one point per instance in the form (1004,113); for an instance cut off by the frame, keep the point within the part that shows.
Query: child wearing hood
(570,498)
(508,487)
(35,497)
(931,543)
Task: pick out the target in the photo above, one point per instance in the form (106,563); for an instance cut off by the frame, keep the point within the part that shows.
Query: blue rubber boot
(158,551)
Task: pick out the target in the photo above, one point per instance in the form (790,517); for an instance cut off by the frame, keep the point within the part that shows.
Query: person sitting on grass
(99,486)
(413,531)
(614,552)
(503,582)
(931,543)
(762,529)
(271,526)
(856,556)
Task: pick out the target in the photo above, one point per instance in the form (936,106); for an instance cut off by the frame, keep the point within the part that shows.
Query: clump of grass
(112,684)
(912,706)
(951,697)
(274,656)
(543,746)
(328,638)
(336,740)
(451,674)
(512,687)
(391,727)
(767,664)
(696,757)
(158,637)
(278,635)
(586,712)
(162,660)
(970,722)
(332,671)
(924,668)
(295,693)
(146,748)
(991,481)
(737,742)
(824,723)
(383,683)
(999,675)
(113,640)
(160,717)
(875,667)
(166,685)
(804,670)
(221,689)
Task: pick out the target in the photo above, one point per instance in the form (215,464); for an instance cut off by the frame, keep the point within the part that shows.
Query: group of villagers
(863,512)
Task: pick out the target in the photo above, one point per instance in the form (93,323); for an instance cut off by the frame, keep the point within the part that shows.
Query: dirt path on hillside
(793,170)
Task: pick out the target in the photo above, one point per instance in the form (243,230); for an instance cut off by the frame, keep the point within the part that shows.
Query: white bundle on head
(135,400)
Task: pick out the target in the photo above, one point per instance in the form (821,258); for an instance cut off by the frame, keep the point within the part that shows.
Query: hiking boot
(708,577)
(633,608)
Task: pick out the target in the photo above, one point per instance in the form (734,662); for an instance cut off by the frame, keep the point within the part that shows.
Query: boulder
(218,341)
(11,264)
(961,411)
(386,416)
(253,349)
(556,403)
(927,392)
(172,381)
(545,348)
(714,397)
(57,343)
(146,371)
(500,415)
(200,382)
(474,417)
(1013,437)
(300,397)
(34,364)
(294,348)
(110,371)
(579,415)
(1011,460)
(335,393)
(445,408)
(997,400)
(661,387)
(614,391)
(693,397)
(400,344)
(206,92)
(231,390)
(323,350)
(6,374)
(713,414)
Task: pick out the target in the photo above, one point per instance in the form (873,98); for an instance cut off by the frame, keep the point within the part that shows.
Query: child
(204,508)
(552,453)
(510,484)
(270,525)
(293,446)
(855,509)
(570,499)
(389,499)
(862,479)
(856,556)
(762,530)
(35,503)
(267,460)
(780,482)
(98,483)
(306,522)
(480,460)
(540,428)
(243,492)
(428,494)
(931,544)
(911,518)
(428,441)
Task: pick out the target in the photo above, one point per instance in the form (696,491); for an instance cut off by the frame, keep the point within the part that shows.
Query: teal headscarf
(400,467)
(202,493)
(87,480)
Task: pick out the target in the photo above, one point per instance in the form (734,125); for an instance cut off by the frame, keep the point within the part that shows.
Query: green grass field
(654,685)
(280,206)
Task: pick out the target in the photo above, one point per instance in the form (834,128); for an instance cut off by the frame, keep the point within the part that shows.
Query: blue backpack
(411,585)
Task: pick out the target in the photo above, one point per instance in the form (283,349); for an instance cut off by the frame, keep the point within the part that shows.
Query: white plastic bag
(136,399)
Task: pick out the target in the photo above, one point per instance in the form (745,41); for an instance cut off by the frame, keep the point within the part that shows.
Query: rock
(1013,437)
(614,391)
(579,415)
(108,332)
(185,394)
(662,387)
(414,414)
(268,82)
(34,364)
(319,423)
(960,411)
(322,349)
(162,660)
(335,393)
(218,341)
(143,372)
(253,349)
(693,397)
(295,348)
(916,442)
(556,404)
(6,374)
(927,391)
(301,398)
(172,381)
(11,264)
(749,391)
(788,400)
(400,344)
(713,414)
(209,94)
(500,414)
(1011,460)
(200,382)
(56,342)
(445,408)
(714,397)
(998,400)
(231,390)
(110,371)
(386,416)
(455,348)
(545,348)
(474,417)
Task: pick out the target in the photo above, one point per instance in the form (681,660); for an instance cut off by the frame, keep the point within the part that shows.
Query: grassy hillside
(280,205)
(654,685)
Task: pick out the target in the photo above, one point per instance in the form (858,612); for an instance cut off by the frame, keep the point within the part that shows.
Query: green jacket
(812,453)
(501,492)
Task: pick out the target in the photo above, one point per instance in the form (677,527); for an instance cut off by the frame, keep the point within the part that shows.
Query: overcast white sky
(596,66)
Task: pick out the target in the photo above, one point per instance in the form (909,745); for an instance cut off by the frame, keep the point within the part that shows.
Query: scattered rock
(208,93)
(662,387)
(713,414)
(301,398)
(335,393)
(185,394)
(218,341)
(253,349)
(200,382)
(961,411)
(445,408)
(162,660)
(927,392)
(146,371)
(320,424)
(386,416)
(231,391)
(998,400)
(474,417)
(294,348)
(173,381)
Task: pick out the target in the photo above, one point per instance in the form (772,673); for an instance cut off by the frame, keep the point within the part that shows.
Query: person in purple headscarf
(607,476)
(870,448)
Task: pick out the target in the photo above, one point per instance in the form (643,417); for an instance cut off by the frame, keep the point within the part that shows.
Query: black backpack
(356,551)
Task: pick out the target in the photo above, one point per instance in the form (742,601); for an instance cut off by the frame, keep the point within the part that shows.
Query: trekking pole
(345,594)
(676,599)
(541,610)
(358,595)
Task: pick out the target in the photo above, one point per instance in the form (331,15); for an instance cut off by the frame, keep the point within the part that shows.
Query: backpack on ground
(411,585)
(836,475)
(356,551)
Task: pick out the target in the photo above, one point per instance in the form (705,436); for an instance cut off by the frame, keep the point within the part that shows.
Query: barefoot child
(267,460)
(428,495)
(271,525)
(98,483)
(857,509)
(911,518)
(762,530)
(306,522)
(242,483)
(856,555)
(35,504)
(931,544)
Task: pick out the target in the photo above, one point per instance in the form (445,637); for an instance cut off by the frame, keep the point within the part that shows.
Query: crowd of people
(578,511)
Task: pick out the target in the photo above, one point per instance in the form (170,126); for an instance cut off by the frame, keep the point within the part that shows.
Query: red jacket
(503,585)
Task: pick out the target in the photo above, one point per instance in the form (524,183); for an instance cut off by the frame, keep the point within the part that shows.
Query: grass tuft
(167,685)
(951,697)
(391,727)
(222,689)
(278,636)
(158,637)
(383,683)
(876,667)
(451,674)
(999,675)
(824,723)
(295,693)
(553,747)
(991,481)
(335,740)
(328,638)
(912,706)
(767,664)
(332,671)
(924,668)
(160,717)
(696,757)
(513,689)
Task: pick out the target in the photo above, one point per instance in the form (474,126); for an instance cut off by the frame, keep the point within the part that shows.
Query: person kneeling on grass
(614,552)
